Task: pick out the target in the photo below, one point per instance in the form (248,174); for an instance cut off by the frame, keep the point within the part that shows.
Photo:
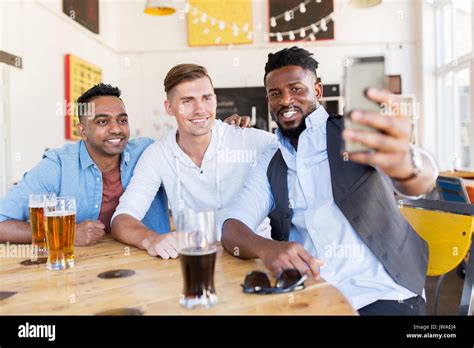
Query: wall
(42,35)
(136,50)
(152,46)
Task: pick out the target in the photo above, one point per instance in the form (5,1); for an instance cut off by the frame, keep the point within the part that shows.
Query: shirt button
(98,179)
(97,206)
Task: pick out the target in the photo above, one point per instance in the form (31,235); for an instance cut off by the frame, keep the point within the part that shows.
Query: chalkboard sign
(245,101)
(85,12)
(289,17)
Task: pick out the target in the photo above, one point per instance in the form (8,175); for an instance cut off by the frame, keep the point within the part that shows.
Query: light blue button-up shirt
(71,172)
(317,223)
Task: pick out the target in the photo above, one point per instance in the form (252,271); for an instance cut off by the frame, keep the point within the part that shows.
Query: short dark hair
(291,56)
(184,72)
(99,90)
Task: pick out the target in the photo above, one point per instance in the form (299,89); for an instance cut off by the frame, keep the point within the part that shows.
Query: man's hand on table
(163,245)
(89,232)
(287,255)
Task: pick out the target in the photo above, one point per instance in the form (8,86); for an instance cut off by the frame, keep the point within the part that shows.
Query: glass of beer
(38,237)
(197,248)
(60,228)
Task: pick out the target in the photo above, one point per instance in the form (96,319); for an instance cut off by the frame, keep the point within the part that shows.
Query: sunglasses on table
(257,282)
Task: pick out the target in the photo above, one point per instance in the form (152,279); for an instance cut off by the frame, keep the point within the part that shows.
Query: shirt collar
(87,161)
(210,152)
(125,156)
(317,118)
(84,157)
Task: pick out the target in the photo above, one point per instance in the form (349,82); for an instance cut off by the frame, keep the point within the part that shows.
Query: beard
(293,133)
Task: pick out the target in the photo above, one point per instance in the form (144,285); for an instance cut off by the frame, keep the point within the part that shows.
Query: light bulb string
(326,19)
(282,15)
(205,17)
(196,12)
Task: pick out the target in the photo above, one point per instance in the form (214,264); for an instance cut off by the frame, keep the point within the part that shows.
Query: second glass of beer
(60,228)
(197,248)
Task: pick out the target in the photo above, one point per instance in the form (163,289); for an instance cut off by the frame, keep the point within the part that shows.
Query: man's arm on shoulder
(14,212)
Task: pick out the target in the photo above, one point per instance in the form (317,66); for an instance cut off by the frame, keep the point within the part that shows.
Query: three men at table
(318,201)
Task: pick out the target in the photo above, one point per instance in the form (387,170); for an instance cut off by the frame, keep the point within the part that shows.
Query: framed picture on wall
(300,20)
(84,12)
(219,22)
(79,76)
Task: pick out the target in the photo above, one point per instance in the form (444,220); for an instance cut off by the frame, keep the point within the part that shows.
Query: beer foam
(36,205)
(57,214)
(198,251)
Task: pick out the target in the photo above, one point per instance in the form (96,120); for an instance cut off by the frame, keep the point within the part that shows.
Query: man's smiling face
(292,94)
(194,105)
(107,131)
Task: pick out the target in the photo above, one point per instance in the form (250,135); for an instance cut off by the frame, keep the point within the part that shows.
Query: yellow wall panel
(219,22)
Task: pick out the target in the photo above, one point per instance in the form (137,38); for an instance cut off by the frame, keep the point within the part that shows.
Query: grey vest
(368,203)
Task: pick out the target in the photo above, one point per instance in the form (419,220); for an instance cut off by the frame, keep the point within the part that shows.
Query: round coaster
(38,261)
(117,273)
(122,311)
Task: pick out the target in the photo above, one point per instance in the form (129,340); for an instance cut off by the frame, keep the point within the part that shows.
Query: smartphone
(359,74)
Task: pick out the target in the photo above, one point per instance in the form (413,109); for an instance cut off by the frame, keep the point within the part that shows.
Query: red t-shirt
(111,191)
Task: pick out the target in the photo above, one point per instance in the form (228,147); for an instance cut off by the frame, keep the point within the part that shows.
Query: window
(453,28)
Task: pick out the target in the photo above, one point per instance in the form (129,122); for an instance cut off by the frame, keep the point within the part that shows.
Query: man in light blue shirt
(95,171)
(336,214)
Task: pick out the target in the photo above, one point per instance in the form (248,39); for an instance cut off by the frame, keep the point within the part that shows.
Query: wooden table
(154,289)
(459,174)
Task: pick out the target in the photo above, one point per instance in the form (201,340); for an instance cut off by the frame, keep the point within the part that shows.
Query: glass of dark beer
(60,230)
(197,248)
(38,236)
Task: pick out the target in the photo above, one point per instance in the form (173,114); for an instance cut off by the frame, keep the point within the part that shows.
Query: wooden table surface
(154,289)
(459,174)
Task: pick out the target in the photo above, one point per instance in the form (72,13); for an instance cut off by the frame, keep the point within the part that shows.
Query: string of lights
(304,33)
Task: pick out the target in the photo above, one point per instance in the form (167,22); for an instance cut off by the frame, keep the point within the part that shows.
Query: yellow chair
(447,227)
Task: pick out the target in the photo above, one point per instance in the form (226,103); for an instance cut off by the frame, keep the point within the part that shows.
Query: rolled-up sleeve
(142,188)
(44,178)
(255,200)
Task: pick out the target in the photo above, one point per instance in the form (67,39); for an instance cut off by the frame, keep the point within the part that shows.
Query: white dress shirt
(317,223)
(215,185)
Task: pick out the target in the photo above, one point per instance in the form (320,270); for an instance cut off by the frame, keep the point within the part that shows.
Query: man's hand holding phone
(391,147)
